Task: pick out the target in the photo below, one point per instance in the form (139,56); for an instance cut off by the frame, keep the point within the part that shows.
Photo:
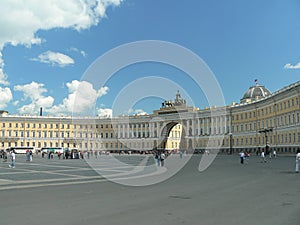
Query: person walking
(12,156)
(30,156)
(263,157)
(157,157)
(180,154)
(162,158)
(242,156)
(274,154)
(297,160)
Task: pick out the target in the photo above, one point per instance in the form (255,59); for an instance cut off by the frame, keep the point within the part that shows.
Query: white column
(153,129)
(207,125)
(123,130)
(137,131)
(150,130)
(128,130)
(193,127)
(119,132)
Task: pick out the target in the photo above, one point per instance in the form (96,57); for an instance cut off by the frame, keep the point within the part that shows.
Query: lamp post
(230,143)
(266,131)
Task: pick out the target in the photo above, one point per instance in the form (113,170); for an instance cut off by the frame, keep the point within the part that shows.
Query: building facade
(261,118)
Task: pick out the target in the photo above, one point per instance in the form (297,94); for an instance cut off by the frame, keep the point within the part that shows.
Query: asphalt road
(69,192)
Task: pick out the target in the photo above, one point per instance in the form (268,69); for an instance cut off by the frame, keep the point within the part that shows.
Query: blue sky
(46,50)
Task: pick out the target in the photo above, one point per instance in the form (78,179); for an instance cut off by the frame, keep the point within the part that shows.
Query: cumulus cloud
(20,20)
(55,59)
(138,112)
(104,113)
(81,99)
(3,76)
(290,66)
(34,92)
(5,97)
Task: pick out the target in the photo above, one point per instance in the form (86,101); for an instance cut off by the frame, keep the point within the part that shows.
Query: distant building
(174,126)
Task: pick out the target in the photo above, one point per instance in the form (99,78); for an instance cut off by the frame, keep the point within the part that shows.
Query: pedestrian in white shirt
(263,157)
(242,157)
(12,156)
(297,160)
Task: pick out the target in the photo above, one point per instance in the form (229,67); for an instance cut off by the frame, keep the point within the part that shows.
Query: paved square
(69,192)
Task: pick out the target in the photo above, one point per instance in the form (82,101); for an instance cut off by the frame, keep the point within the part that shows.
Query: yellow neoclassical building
(261,118)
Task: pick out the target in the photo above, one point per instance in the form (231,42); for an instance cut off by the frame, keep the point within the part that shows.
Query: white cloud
(138,112)
(55,58)
(5,97)
(290,66)
(81,99)
(3,76)
(83,53)
(20,20)
(104,113)
(35,93)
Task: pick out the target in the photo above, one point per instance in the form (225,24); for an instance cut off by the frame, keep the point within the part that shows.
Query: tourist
(59,155)
(180,154)
(242,157)
(27,155)
(157,157)
(274,153)
(262,156)
(162,158)
(12,156)
(297,160)
(247,155)
(4,156)
(30,156)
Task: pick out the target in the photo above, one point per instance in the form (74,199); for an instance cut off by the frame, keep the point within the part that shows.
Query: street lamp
(266,131)
(230,143)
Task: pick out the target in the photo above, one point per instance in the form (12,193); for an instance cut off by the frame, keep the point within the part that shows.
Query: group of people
(160,157)
(28,155)
(244,155)
(264,155)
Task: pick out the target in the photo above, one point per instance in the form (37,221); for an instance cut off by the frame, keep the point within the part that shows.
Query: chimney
(41,111)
